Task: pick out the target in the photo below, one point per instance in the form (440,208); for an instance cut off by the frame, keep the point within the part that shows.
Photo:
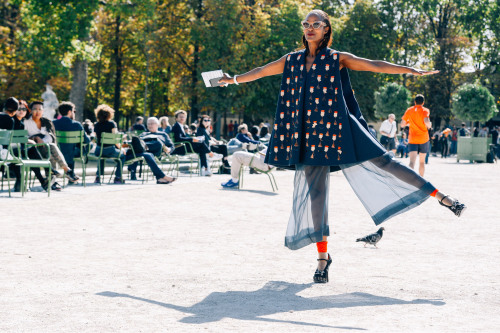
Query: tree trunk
(79,87)
(194,82)
(119,70)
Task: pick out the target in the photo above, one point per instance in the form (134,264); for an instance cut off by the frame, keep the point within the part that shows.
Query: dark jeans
(150,160)
(110,151)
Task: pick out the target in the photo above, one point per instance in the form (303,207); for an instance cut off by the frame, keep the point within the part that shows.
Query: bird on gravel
(372,239)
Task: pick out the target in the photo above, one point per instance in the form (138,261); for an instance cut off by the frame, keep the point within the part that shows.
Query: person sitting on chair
(139,126)
(212,144)
(246,159)
(157,140)
(67,123)
(198,147)
(244,136)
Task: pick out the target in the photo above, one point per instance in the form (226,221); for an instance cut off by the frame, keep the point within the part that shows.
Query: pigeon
(372,239)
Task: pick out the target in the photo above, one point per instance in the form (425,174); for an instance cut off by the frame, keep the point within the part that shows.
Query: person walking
(417,117)
(388,131)
(319,128)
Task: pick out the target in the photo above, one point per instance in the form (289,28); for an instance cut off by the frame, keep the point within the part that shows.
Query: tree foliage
(474,102)
(392,98)
(146,57)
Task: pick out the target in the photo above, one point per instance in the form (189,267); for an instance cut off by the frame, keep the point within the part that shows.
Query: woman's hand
(226,80)
(415,71)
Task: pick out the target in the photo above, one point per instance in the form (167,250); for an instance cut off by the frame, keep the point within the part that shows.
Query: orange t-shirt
(415,116)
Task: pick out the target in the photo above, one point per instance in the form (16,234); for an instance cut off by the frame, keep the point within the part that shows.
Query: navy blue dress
(319,128)
(318,121)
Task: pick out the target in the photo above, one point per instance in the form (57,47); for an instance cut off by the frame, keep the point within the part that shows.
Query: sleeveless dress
(318,129)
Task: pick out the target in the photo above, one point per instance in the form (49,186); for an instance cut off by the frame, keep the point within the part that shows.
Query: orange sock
(433,194)
(322,246)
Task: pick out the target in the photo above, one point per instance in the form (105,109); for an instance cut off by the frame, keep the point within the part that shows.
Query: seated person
(41,130)
(105,124)
(88,127)
(243,158)
(165,125)
(214,145)
(157,140)
(254,131)
(180,136)
(7,122)
(67,123)
(33,153)
(139,124)
(264,133)
(243,135)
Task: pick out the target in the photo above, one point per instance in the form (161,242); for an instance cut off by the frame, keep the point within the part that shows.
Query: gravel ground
(194,257)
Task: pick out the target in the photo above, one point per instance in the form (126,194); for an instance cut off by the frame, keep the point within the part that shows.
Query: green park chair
(5,137)
(74,137)
(114,139)
(268,173)
(20,141)
(191,156)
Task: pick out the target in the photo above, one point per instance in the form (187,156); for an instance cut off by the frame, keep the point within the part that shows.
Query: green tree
(474,102)
(58,30)
(392,98)
(363,33)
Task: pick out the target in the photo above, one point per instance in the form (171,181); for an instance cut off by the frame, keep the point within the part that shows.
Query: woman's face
(206,122)
(21,113)
(37,112)
(181,117)
(311,34)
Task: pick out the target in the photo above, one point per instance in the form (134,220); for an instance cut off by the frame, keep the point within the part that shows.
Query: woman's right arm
(272,68)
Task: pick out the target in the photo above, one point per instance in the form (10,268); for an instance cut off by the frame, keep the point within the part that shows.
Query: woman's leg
(316,177)
(57,157)
(411,177)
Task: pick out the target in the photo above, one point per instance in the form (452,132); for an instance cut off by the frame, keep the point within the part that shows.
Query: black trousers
(221,149)
(199,148)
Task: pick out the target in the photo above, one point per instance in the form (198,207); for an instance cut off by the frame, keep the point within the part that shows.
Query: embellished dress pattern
(318,129)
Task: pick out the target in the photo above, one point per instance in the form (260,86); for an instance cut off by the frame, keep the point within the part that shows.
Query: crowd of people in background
(158,135)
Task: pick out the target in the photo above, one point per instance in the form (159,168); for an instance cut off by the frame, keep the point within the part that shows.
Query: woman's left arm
(353,62)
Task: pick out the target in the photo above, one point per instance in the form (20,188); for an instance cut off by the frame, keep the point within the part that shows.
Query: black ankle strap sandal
(322,276)
(456,207)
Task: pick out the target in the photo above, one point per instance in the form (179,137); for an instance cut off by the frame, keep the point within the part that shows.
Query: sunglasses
(315,25)
(206,120)
(23,109)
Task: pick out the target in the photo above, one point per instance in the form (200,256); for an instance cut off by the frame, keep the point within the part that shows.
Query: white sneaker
(206,172)
(215,157)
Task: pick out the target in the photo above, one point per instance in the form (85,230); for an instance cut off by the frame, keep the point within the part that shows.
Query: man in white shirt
(388,130)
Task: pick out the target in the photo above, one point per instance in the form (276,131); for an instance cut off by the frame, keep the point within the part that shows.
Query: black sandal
(322,276)
(456,207)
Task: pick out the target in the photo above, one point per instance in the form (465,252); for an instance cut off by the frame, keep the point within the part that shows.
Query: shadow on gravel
(274,297)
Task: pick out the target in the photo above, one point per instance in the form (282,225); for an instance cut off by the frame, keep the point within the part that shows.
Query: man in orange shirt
(417,117)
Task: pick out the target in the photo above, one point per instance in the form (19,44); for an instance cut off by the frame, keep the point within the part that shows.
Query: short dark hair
(264,131)
(419,99)
(65,107)
(463,124)
(139,118)
(32,104)
(11,104)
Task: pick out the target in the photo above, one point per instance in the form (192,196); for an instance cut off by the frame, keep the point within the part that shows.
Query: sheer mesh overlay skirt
(385,187)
